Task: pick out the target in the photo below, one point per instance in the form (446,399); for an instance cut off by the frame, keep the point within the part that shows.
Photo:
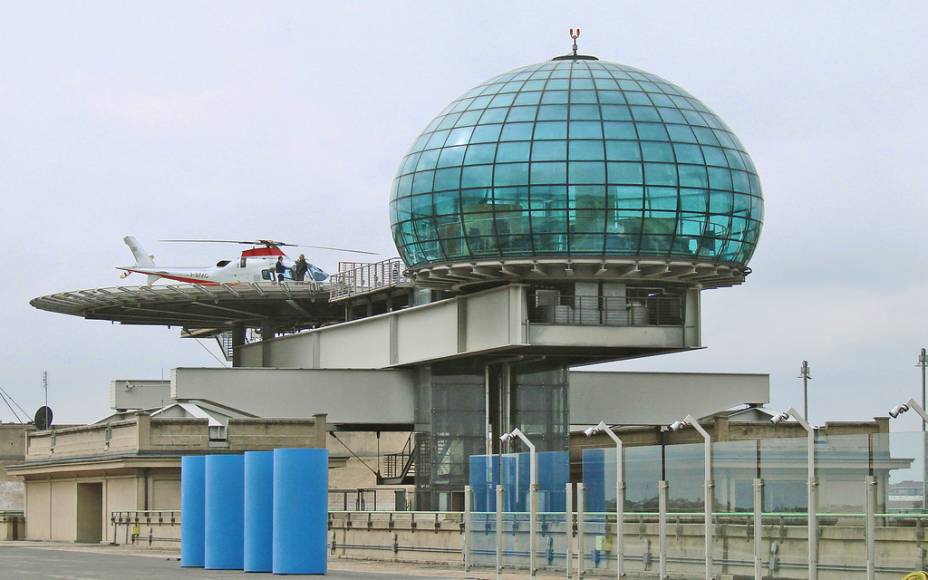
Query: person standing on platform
(300,267)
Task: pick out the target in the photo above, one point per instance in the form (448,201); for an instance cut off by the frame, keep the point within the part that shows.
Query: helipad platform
(254,305)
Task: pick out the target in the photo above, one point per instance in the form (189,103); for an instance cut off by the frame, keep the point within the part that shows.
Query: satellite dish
(43,418)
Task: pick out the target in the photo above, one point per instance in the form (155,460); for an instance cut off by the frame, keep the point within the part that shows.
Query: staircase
(225,344)
(399,468)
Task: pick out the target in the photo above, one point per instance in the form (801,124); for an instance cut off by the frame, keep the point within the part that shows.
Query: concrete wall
(629,398)
(139,394)
(347,396)
(12,452)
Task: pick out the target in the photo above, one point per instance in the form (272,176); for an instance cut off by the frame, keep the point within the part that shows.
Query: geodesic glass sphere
(576,157)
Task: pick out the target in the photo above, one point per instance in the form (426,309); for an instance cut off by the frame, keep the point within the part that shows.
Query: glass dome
(576,157)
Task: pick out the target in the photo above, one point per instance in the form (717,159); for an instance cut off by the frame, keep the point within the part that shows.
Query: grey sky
(287,120)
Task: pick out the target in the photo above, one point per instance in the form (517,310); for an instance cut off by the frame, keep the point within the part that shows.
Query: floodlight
(505,437)
(778,418)
(898,410)
(677,425)
(590,431)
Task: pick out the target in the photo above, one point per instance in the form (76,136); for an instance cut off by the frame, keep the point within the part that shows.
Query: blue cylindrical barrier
(259,510)
(301,479)
(225,508)
(192,514)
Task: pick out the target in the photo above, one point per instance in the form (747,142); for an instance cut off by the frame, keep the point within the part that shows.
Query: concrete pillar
(238,339)
(321,428)
(268,331)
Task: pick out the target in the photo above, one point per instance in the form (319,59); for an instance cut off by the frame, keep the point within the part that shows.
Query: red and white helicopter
(257,264)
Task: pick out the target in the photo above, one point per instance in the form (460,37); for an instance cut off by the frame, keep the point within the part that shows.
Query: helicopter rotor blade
(333,248)
(247,242)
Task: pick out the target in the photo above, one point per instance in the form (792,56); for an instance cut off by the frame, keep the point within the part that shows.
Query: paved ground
(28,561)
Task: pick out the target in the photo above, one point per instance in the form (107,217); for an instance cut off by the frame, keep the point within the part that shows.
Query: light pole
(902,408)
(619,495)
(805,373)
(923,362)
(811,499)
(533,486)
(690,421)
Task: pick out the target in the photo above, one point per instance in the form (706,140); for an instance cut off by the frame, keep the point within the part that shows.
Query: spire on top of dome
(575,34)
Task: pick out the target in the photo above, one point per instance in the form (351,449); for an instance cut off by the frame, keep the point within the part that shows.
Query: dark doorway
(90,512)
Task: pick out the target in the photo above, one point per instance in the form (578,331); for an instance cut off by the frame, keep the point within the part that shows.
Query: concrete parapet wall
(397,536)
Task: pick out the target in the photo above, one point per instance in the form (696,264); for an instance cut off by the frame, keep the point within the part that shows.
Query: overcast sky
(288,120)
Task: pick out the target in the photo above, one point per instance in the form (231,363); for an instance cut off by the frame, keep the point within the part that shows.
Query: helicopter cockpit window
(267,275)
(222,263)
(241,263)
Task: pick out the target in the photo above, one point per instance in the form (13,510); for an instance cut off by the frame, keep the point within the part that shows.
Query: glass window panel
(584,112)
(459,136)
(552,112)
(681,134)
(405,185)
(693,200)
(687,153)
(661,100)
(586,172)
(719,178)
(517,132)
(478,176)
(448,178)
(720,202)
(576,83)
(530,98)
(705,136)
(428,160)
(511,174)
(448,121)
(549,151)
(623,151)
(544,197)
(583,97)
(625,173)
(609,96)
(409,165)
(451,156)
(694,118)
(493,116)
(637,98)
(511,197)
(654,151)
(551,130)
(554,97)
(625,196)
(586,150)
(615,130)
(513,151)
(533,85)
(447,203)
(693,176)
(502,100)
(423,181)
(586,130)
(557,85)
(522,114)
(437,139)
(660,174)
(468,118)
(651,131)
(645,113)
(549,172)
(740,181)
(421,205)
(616,113)
(734,159)
(486,133)
(714,156)
(661,198)
(549,221)
(475,200)
(479,103)
(586,196)
(477,154)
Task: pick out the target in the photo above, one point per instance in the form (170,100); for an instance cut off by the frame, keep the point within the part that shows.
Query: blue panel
(192,518)
(301,479)
(259,510)
(594,480)
(553,475)
(225,502)
(484,477)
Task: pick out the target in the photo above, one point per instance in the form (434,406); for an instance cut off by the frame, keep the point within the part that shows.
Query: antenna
(575,34)
(47,410)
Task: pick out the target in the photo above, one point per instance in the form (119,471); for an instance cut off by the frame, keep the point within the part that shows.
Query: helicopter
(256,264)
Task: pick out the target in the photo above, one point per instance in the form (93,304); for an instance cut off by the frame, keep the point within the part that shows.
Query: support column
(267,332)
(238,339)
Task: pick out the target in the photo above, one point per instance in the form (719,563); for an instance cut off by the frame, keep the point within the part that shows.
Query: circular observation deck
(573,168)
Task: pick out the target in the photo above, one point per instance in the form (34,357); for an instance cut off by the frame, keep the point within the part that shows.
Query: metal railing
(370,500)
(553,307)
(366,278)
(131,522)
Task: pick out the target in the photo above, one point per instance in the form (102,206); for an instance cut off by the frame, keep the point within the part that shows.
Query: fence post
(468,527)
(758,527)
(581,530)
(568,528)
(662,528)
(871,527)
(499,531)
